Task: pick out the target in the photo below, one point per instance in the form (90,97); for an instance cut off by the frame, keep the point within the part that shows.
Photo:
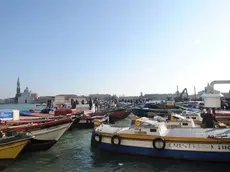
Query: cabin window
(184,123)
(193,117)
(187,117)
(153,130)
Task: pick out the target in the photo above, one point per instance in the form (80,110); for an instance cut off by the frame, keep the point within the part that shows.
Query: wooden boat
(152,138)
(87,120)
(176,121)
(46,134)
(11,146)
(115,114)
(145,112)
(52,113)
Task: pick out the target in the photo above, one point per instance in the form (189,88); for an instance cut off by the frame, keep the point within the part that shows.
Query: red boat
(87,120)
(52,113)
(222,113)
(115,115)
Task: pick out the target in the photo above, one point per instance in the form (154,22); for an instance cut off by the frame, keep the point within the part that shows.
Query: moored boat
(46,134)
(112,116)
(155,139)
(52,113)
(11,146)
(145,112)
(115,114)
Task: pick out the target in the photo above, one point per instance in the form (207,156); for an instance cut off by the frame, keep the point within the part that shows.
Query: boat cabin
(194,116)
(143,126)
(179,121)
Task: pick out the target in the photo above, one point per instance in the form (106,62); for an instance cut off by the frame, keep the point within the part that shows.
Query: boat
(175,121)
(11,146)
(53,113)
(112,116)
(46,134)
(44,104)
(197,117)
(146,112)
(115,114)
(87,120)
(153,138)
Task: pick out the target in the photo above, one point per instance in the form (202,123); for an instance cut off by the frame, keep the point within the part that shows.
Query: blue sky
(118,47)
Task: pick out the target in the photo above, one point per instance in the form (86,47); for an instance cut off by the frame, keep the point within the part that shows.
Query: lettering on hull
(198,147)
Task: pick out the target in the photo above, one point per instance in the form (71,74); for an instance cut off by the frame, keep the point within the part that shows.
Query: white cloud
(196,42)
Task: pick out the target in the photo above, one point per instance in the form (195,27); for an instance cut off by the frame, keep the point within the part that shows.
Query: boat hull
(75,124)
(45,138)
(189,150)
(85,124)
(9,152)
(173,154)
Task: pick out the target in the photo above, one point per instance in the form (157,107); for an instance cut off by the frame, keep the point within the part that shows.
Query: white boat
(45,134)
(153,138)
(176,121)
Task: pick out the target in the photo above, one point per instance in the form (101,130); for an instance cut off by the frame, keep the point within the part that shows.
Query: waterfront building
(2,101)
(26,97)
(66,98)
(44,99)
(63,98)
(9,100)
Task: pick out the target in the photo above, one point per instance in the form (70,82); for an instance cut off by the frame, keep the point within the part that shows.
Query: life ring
(97,138)
(116,140)
(159,143)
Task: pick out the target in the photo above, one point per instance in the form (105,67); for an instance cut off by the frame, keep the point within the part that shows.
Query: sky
(121,47)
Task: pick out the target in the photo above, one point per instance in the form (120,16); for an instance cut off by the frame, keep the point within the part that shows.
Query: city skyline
(120,47)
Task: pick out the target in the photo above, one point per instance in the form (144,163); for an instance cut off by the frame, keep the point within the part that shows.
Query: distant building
(100,96)
(79,99)
(128,98)
(63,98)
(25,97)
(2,101)
(44,99)
(34,96)
(66,98)
(9,100)
(159,96)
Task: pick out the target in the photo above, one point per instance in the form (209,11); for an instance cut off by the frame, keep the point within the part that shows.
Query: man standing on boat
(90,104)
(209,120)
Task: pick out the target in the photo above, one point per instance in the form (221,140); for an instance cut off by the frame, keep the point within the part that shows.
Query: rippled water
(73,154)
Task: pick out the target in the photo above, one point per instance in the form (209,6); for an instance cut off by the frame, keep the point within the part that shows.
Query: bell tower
(17,91)
(18,87)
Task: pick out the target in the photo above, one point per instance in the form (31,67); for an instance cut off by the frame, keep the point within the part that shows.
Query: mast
(177,92)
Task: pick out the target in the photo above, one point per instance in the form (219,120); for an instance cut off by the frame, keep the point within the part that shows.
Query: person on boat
(73,105)
(96,104)
(209,120)
(90,104)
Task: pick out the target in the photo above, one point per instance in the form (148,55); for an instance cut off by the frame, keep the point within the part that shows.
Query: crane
(180,98)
